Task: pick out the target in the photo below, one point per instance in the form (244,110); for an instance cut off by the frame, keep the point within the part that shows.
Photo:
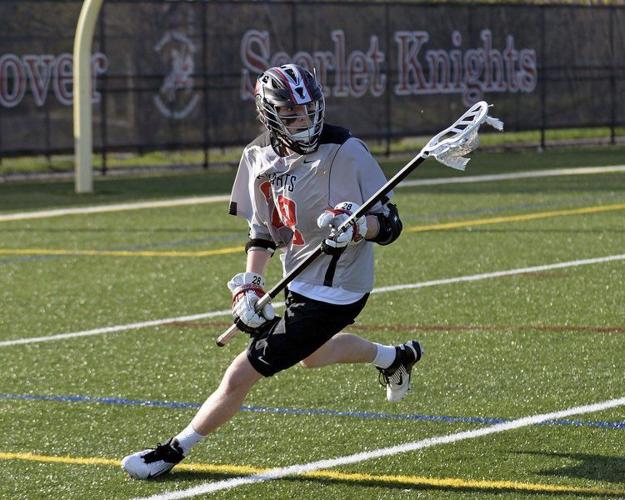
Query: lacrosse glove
(246,289)
(333,218)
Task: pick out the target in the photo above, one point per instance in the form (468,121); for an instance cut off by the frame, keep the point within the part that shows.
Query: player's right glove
(246,289)
(333,218)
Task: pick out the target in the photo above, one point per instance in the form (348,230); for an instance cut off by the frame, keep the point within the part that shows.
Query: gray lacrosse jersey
(282,197)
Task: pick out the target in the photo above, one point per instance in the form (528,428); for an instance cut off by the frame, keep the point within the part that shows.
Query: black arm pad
(259,243)
(390,226)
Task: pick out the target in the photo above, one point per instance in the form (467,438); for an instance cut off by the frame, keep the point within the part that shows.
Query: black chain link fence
(180,75)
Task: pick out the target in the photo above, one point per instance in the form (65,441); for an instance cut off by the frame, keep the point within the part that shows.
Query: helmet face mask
(290,104)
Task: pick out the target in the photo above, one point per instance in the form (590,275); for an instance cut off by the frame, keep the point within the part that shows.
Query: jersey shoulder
(333,134)
(261,141)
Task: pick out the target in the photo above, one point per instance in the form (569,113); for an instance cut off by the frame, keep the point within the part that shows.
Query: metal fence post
(48,128)
(613,102)
(204,66)
(389,86)
(543,78)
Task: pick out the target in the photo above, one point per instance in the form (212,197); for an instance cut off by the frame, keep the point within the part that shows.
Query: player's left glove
(246,289)
(333,218)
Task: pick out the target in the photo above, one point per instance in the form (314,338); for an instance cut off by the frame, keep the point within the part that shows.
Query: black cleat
(152,463)
(396,378)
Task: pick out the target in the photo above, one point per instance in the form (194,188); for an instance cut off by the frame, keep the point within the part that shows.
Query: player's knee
(236,385)
(238,378)
(309,362)
(390,226)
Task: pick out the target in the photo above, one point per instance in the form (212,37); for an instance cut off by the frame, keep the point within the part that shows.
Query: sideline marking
(229,250)
(499,274)
(452,328)
(554,172)
(448,482)
(114,329)
(279,473)
(121,253)
(226,312)
(517,218)
(41,214)
(306,411)
(117,207)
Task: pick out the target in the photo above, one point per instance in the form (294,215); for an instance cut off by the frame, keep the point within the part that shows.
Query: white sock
(188,438)
(384,356)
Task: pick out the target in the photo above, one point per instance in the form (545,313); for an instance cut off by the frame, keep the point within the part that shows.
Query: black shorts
(307,324)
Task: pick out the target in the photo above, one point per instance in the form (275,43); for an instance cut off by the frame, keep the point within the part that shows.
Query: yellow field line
(33,457)
(339,476)
(239,249)
(120,253)
(516,218)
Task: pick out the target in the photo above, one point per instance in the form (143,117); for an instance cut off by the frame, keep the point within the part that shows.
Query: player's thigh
(306,325)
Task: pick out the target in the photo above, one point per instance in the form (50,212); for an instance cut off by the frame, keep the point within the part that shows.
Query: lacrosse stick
(449,147)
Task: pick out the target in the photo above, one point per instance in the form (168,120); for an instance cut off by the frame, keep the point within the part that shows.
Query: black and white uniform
(281,198)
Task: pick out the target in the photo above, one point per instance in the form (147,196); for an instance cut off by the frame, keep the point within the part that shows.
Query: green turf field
(535,340)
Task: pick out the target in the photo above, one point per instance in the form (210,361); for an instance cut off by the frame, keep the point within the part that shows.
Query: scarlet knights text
(420,70)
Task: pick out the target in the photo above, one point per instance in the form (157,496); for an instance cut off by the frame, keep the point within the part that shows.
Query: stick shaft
(225,337)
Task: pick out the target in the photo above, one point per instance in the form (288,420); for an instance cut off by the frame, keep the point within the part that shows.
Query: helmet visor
(300,123)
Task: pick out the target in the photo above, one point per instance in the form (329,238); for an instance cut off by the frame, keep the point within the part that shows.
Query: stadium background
(178,75)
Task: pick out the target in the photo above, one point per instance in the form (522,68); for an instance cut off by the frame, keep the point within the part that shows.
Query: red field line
(405,328)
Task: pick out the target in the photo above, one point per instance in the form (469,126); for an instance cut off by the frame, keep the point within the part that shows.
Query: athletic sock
(385,355)
(188,438)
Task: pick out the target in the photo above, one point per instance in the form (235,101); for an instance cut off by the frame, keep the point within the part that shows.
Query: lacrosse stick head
(452,144)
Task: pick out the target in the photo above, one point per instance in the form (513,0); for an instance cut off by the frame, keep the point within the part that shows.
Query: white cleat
(152,463)
(396,378)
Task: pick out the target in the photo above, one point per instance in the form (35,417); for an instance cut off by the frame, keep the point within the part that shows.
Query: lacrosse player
(296,183)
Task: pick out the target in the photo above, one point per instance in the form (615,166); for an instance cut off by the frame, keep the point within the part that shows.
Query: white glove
(334,217)
(246,289)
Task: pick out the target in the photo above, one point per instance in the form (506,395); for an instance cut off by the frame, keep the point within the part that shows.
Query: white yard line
(395,288)
(499,274)
(178,202)
(273,474)
(514,175)
(114,329)
(224,198)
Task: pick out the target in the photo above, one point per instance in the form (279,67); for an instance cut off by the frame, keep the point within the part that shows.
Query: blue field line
(307,411)
(33,258)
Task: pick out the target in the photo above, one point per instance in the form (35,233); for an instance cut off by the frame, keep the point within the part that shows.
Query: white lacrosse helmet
(288,86)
